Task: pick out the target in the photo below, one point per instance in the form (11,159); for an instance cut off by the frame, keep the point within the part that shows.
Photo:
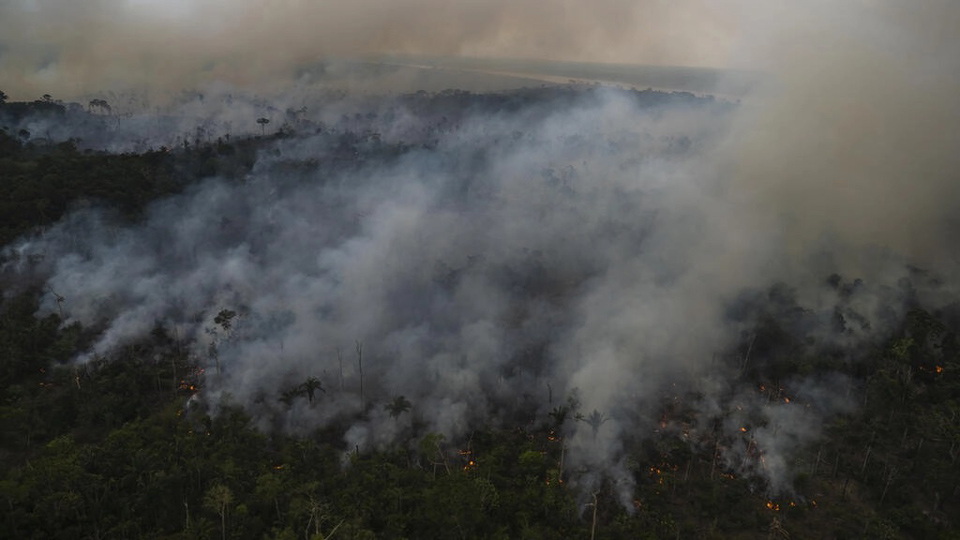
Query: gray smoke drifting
(599,249)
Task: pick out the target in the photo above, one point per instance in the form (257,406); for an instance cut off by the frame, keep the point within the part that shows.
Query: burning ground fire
(467,456)
(776,506)
(193,382)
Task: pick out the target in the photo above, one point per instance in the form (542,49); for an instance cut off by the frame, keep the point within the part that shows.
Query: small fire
(468,455)
(743,430)
(278,467)
(773,506)
(786,400)
(655,471)
(939,369)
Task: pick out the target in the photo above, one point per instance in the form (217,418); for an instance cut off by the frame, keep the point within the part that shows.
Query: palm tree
(398,406)
(559,415)
(594,420)
(310,386)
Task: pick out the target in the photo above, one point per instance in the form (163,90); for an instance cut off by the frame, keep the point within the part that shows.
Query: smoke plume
(590,250)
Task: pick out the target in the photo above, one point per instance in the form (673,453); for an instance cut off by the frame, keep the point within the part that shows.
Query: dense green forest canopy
(834,420)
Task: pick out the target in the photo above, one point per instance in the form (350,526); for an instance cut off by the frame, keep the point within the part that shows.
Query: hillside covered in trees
(525,314)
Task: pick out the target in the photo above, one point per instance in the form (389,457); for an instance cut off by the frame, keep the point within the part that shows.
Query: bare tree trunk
(363,403)
(713,465)
(746,357)
(593,526)
(223,522)
(563,449)
(173,364)
(886,486)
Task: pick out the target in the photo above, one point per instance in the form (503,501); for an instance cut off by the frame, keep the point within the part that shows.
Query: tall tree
(218,499)
(263,124)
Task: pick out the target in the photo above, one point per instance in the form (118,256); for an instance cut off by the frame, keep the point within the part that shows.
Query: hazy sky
(69,47)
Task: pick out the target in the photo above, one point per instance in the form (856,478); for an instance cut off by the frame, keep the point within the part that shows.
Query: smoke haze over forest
(589,244)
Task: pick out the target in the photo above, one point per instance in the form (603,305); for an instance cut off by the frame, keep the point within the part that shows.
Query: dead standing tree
(360,366)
